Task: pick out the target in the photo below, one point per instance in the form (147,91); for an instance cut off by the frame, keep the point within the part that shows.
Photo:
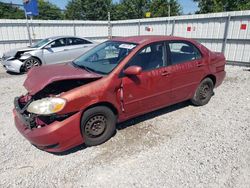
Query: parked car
(81,102)
(47,51)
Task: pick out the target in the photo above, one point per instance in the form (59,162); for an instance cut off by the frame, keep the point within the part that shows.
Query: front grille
(28,119)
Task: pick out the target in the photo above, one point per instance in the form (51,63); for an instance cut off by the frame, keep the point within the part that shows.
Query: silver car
(47,51)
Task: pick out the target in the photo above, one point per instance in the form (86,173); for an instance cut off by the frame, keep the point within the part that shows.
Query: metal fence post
(166,27)
(173,27)
(28,29)
(109,26)
(225,34)
(139,27)
(74,28)
(167,23)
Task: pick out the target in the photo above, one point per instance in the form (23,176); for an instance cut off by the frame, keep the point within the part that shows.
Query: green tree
(207,6)
(159,8)
(88,9)
(48,11)
(75,11)
(97,9)
(115,11)
(132,9)
(125,9)
(8,11)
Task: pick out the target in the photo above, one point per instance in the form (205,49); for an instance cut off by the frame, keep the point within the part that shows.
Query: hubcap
(95,126)
(29,63)
(205,92)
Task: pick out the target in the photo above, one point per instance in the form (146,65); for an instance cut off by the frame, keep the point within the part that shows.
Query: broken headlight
(46,106)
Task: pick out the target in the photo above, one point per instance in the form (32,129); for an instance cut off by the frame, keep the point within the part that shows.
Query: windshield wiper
(81,66)
(88,69)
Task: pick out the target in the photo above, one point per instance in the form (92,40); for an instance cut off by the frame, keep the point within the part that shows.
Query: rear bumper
(220,76)
(56,137)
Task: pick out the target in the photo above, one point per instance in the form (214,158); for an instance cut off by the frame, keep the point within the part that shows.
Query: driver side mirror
(132,70)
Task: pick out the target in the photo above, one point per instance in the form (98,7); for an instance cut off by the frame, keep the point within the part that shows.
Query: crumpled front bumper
(12,65)
(58,136)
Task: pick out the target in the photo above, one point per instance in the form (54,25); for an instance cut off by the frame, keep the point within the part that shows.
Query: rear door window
(181,52)
(77,41)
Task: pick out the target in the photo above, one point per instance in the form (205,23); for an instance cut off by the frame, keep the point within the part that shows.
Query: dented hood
(39,77)
(12,53)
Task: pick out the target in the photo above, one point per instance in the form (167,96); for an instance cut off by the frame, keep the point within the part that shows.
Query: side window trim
(184,42)
(167,54)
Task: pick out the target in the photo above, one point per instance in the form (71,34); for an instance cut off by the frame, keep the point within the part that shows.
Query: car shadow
(151,115)
(131,122)
(70,151)
(14,73)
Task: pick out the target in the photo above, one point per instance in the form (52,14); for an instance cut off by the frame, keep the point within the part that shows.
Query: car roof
(65,36)
(145,39)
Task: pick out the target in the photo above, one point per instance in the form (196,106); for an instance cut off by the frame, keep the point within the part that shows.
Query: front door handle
(165,73)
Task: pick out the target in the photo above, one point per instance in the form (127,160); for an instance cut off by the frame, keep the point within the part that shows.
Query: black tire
(203,93)
(30,63)
(98,124)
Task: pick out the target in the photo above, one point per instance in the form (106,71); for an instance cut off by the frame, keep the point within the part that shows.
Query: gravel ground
(179,146)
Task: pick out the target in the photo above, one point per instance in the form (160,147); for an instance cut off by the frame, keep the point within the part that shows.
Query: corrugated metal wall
(13,33)
(227,32)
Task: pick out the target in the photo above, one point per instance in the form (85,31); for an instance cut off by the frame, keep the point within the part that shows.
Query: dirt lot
(179,146)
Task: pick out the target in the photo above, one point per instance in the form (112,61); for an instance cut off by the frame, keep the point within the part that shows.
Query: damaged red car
(82,101)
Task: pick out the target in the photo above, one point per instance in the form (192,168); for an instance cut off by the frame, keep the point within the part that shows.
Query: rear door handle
(165,73)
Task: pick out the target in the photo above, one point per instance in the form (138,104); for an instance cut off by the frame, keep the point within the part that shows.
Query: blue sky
(188,5)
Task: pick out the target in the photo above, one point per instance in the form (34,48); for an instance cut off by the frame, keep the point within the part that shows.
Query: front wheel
(203,93)
(98,124)
(30,63)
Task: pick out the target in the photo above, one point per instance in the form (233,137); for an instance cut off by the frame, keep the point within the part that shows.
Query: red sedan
(81,102)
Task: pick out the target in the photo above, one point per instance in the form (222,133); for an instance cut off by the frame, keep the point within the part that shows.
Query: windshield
(105,57)
(40,43)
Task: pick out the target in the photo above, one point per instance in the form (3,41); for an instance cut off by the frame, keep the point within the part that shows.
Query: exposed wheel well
(107,104)
(22,67)
(212,77)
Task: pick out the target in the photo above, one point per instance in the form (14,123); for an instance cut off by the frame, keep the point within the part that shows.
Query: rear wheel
(203,93)
(98,125)
(30,63)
